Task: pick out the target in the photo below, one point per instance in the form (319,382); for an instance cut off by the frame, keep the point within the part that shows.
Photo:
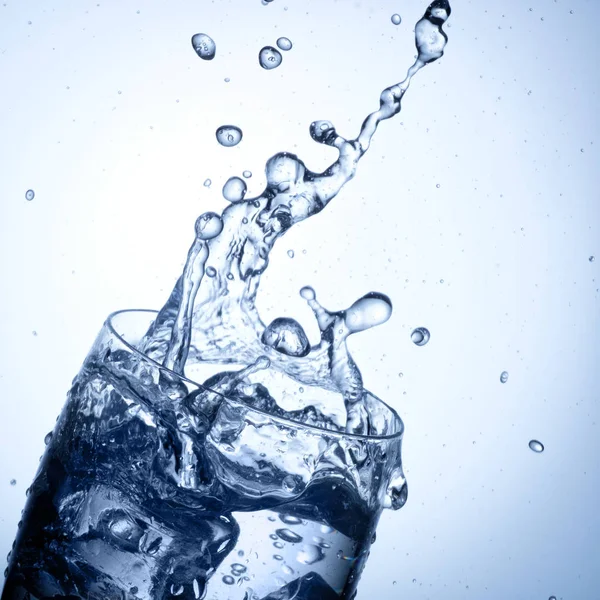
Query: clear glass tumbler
(156,487)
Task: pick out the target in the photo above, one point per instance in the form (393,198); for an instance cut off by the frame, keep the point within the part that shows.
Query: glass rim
(288,422)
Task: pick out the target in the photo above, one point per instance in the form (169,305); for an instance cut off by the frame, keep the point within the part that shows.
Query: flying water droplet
(13,482)
(504,377)
(269,58)
(308,293)
(247,174)
(592,258)
(204,46)
(536,446)
(284,44)
(396,19)
(286,336)
(420,336)
(290,253)
(370,310)
(229,135)
(234,189)
(208,225)
(29,195)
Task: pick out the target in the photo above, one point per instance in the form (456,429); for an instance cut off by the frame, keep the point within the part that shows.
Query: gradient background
(108,114)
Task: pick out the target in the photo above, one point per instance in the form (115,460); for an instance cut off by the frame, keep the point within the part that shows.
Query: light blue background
(107,113)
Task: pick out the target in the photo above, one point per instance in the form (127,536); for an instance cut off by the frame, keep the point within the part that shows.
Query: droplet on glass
(504,377)
(536,446)
(284,44)
(229,135)
(29,195)
(247,174)
(420,336)
(204,46)
(396,19)
(234,189)
(48,438)
(269,58)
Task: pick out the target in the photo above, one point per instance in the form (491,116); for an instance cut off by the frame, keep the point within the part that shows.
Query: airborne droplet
(13,482)
(290,253)
(504,377)
(308,293)
(269,58)
(29,195)
(592,258)
(229,135)
(536,446)
(207,183)
(211,271)
(204,46)
(284,44)
(286,336)
(420,336)
(396,19)
(208,226)
(247,174)
(370,310)
(234,189)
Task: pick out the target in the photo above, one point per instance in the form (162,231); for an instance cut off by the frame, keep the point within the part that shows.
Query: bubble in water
(592,258)
(234,189)
(504,377)
(247,174)
(536,446)
(48,438)
(204,46)
(229,135)
(238,569)
(29,195)
(208,226)
(290,253)
(310,554)
(286,336)
(207,182)
(308,293)
(287,535)
(552,598)
(228,580)
(284,44)
(269,58)
(370,310)
(396,19)
(211,271)
(13,482)
(290,519)
(420,336)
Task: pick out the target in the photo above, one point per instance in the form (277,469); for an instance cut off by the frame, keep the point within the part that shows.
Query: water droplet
(396,19)
(287,570)
(290,519)
(29,195)
(230,276)
(13,482)
(504,377)
(34,333)
(414,581)
(208,226)
(48,438)
(247,174)
(287,535)
(227,80)
(211,271)
(536,446)
(204,46)
(438,186)
(310,554)
(592,258)
(284,44)
(269,58)
(207,182)
(277,557)
(370,310)
(278,545)
(420,336)
(308,293)
(286,336)
(553,597)
(133,590)
(234,189)
(238,569)
(228,580)
(229,135)
(290,253)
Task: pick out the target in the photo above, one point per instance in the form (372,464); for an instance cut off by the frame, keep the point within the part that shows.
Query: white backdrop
(108,114)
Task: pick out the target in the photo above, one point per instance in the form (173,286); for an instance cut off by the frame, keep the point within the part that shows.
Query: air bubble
(207,183)
(204,46)
(536,446)
(247,174)
(284,44)
(420,336)
(269,58)
(29,195)
(234,189)
(287,535)
(310,554)
(228,580)
(211,271)
(396,19)
(504,377)
(229,135)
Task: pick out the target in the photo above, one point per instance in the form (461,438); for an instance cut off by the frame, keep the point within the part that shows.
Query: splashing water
(214,319)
